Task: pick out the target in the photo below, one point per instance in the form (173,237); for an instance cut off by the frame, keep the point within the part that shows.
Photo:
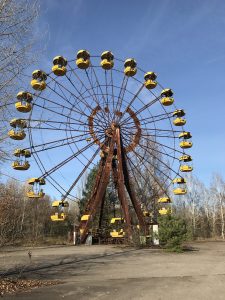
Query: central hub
(109,131)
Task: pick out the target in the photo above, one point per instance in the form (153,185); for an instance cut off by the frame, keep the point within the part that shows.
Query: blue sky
(182,41)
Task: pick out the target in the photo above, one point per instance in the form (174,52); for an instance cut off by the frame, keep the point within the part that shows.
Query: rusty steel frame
(122,182)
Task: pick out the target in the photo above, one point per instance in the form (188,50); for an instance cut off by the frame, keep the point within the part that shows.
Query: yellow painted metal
(19,135)
(185,158)
(179,113)
(150,75)
(22,152)
(186,144)
(32,194)
(179,191)
(83,59)
(23,103)
(23,107)
(185,135)
(150,84)
(179,122)
(83,64)
(58,217)
(40,181)
(116,220)
(167,93)
(21,166)
(130,62)
(38,82)
(60,203)
(18,123)
(129,71)
(186,168)
(56,203)
(38,74)
(60,60)
(166,101)
(83,54)
(179,180)
(150,78)
(107,62)
(85,217)
(107,55)
(130,67)
(59,70)
(26,96)
(117,234)
(164,200)
(38,85)
(164,211)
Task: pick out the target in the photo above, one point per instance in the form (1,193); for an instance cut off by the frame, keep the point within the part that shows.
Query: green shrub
(172,232)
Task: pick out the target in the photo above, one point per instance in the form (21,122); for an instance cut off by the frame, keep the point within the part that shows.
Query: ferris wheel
(98,110)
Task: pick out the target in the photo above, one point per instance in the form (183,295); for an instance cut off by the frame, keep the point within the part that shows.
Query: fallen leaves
(12,285)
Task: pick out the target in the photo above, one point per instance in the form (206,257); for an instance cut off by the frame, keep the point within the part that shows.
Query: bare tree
(218,196)
(17,40)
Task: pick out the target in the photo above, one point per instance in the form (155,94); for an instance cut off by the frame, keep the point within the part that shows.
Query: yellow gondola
(83,59)
(179,186)
(17,135)
(18,123)
(59,66)
(167,99)
(185,158)
(117,234)
(116,220)
(130,67)
(23,104)
(107,62)
(186,144)
(60,214)
(22,163)
(22,152)
(38,82)
(21,166)
(179,113)
(179,191)
(58,217)
(179,122)
(164,211)
(164,200)
(179,180)
(40,181)
(150,80)
(60,204)
(186,135)
(85,217)
(32,194)
(36,191)
(186,168)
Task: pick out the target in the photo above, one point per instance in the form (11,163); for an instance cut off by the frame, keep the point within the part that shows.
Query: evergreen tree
(172,232)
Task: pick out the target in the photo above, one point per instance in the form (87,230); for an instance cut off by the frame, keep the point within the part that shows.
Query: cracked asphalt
(113,272)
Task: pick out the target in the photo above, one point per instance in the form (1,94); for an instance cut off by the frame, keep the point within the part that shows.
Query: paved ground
(107,272)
